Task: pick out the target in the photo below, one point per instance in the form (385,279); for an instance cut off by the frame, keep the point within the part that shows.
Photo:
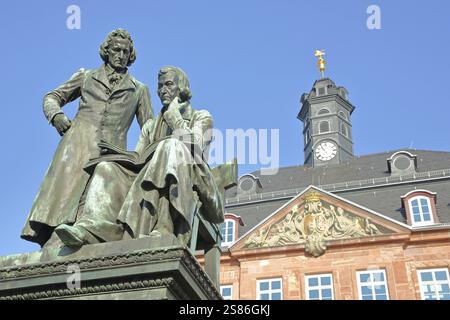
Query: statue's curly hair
(183,81)
(110,38)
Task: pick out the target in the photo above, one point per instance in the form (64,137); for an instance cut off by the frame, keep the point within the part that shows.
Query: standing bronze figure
(110,98)
(161,197)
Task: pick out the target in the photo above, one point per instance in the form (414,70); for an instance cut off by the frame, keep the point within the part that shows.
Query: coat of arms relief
(313,223)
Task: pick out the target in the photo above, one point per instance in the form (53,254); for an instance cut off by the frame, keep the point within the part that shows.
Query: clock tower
(327,129)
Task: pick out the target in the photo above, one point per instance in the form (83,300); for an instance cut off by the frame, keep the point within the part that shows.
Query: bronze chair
(206,235)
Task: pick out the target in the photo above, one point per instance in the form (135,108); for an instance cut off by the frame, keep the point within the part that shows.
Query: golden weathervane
(321,62)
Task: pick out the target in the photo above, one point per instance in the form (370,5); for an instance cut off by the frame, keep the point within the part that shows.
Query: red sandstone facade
(398,249)
(400,255)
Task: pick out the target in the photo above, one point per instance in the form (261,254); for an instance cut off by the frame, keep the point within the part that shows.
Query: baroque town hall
(379,228)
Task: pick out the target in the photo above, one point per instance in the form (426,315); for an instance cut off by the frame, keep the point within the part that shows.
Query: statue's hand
(106,148)
(175,104)
(61,123)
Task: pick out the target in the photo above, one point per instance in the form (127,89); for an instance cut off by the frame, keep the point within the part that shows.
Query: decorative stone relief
(312,223)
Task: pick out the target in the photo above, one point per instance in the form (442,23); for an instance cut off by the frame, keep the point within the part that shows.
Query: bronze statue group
(115,201)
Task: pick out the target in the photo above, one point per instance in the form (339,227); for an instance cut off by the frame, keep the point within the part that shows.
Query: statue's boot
(71,236)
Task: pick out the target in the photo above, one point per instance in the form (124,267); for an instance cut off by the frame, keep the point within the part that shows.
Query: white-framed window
(228,232)
(269,289)
(434,284)
(227,292)
(372,285)
(420,208)
(319,287)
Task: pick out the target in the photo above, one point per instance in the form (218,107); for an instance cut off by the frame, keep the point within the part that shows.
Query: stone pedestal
(147,268)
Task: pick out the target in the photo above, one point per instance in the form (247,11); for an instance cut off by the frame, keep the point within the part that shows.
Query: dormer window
(401,163)
(420,208)
(229,229)
(250,184)
(228,232)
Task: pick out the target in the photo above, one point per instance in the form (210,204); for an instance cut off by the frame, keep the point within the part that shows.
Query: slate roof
(384,199)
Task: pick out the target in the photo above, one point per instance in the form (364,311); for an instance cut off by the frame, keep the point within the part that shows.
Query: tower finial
(321,62)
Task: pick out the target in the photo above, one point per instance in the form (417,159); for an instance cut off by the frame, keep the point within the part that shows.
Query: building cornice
(324,98)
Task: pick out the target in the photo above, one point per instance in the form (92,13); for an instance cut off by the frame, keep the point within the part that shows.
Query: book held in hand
(128,159)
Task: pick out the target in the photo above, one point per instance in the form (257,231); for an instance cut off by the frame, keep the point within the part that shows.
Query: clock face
(326,151)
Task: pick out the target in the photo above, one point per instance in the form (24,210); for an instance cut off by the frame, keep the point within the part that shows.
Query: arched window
(421,210)
(323,111)
(342,115)
(228,232)
(324,126)
(344,130)
(420,207)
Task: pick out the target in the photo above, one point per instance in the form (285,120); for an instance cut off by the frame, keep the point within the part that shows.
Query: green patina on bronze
(96,191)
(109,100)
(163,196)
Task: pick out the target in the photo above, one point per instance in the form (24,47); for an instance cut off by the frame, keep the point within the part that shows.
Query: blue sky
(248,63)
